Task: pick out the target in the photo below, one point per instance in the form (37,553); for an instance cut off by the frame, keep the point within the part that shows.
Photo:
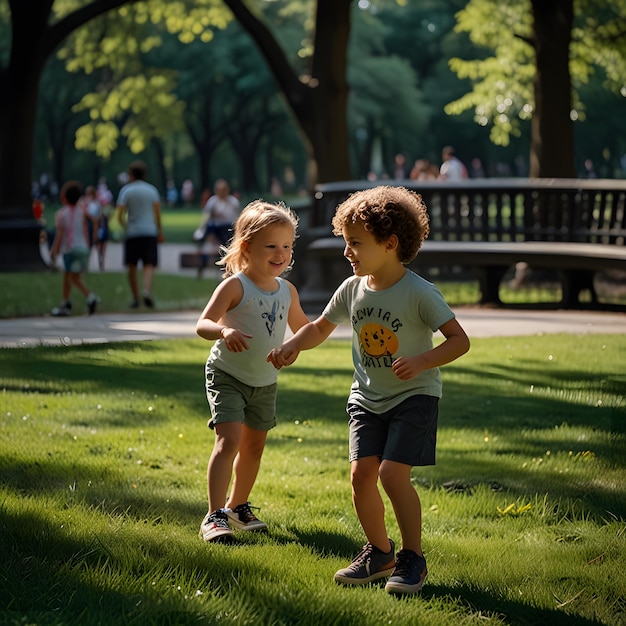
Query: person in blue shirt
(139,214)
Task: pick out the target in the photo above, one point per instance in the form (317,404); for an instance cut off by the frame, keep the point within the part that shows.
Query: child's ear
(392,243)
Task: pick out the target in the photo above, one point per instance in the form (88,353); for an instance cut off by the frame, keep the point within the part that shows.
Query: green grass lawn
(103,453)
(173,292)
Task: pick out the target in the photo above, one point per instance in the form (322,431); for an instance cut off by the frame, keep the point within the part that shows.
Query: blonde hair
(255,217)
(386,211)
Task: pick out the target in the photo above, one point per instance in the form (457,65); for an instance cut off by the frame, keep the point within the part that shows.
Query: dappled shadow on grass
(105,490)
(320,542)
(43,569)
(494,405)
(514,613)
(121,418)
(37,554)
(141,365)
(523,372)
(47,569)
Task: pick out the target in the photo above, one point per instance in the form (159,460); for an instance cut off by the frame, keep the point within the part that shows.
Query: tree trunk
(552,135)
(33,40)
(161,169)
(318,102)
(19,81)
(329,101)
(58,138)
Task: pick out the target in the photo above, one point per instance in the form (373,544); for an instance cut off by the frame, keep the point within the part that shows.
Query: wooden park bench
(576,227)
(200,259)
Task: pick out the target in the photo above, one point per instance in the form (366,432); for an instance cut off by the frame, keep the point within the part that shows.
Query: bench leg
(205,262)
(489,279)
(573,283)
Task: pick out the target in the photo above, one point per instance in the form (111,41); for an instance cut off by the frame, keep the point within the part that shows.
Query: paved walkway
(146,325)
(102,328)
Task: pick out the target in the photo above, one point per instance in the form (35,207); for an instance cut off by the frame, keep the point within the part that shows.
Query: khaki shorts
(230,400)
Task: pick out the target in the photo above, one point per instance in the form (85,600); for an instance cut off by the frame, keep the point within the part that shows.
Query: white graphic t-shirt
(387,324)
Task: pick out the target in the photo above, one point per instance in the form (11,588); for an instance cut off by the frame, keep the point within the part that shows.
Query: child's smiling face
(365,253)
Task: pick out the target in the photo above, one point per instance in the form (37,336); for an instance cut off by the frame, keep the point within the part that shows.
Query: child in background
(248,315)
(93,208)
(72,240)
(393,401)
(100,213)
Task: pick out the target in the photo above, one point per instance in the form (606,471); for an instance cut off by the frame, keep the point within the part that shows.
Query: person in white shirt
(219,214)
(451,168)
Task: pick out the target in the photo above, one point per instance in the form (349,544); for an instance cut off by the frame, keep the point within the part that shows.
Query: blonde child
(393,401)
(247,315)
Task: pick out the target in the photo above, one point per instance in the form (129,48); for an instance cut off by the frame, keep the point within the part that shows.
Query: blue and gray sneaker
(368,565)
(409,574)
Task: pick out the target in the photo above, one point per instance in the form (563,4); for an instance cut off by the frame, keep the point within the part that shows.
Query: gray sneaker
(242,518)
(215,527)
(409,575)
(368,565)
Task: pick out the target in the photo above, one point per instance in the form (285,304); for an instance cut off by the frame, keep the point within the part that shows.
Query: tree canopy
(538,57)
(356,78)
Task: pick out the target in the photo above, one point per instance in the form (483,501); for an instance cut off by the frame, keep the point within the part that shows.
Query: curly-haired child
(393,401)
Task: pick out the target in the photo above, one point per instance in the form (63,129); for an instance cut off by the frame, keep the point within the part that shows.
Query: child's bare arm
(210,326)
(58,237)
(455,345)
(309,336)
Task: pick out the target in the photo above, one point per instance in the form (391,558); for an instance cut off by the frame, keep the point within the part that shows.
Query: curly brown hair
(386,211)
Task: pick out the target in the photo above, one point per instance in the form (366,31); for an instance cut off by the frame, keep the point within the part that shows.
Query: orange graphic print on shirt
(378,340)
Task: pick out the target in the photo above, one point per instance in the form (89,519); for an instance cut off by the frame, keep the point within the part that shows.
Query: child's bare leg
(148,275)
(368,502)
(220,468)
(67,286)
(132,281)
(396,481)
(77,281)
(247,464)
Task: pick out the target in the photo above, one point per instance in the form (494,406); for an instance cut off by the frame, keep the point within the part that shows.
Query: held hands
(234,339)
(282,356)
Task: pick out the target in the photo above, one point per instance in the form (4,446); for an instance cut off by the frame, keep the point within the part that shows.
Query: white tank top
(264,316)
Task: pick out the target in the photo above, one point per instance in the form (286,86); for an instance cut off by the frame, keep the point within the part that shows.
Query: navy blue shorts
(405,434)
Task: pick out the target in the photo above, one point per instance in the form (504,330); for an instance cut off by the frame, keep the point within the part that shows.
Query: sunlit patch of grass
(103,455)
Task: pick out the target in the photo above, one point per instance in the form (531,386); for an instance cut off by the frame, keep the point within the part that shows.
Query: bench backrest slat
(586,211)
